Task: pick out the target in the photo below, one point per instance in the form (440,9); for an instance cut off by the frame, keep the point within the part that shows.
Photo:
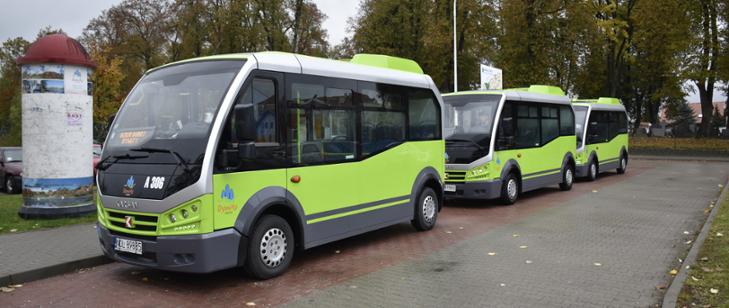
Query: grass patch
(711,270)
(689,146)
(9,219)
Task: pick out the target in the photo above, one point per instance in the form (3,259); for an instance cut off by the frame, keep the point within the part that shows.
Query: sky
(73,15)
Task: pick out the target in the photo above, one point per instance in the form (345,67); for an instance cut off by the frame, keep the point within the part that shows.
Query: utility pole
(455,55)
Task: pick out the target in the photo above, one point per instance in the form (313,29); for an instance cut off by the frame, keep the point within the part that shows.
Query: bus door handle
(295,179)
(518,155)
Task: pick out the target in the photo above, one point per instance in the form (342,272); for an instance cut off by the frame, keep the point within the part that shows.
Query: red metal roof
(56,48)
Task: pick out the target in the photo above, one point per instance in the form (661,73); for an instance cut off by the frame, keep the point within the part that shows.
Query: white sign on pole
(491,78)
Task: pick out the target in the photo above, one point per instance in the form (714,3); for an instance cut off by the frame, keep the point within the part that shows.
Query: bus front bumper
(475,190)
(200,253)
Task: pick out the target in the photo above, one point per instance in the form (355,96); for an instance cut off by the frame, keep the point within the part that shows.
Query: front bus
(238,160)
(502,143)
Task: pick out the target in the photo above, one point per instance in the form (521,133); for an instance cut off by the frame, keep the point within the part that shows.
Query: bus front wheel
(426,210)
(568,177)
(510,189)
(271,248)
(592,171)
(623,164)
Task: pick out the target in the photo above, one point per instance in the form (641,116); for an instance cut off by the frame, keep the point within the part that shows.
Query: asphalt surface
(606,243)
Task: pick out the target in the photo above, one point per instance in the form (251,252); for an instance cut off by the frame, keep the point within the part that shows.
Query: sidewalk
(35,255)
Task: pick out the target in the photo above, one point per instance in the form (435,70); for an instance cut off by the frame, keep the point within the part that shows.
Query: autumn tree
(10,96)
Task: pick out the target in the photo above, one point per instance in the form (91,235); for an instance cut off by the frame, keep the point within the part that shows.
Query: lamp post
(455,55)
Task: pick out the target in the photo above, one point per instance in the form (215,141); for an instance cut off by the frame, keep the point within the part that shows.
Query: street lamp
(455,56)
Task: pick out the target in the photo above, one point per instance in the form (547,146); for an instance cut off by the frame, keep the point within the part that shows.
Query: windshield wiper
(100,165)
(466,141)
(180,161)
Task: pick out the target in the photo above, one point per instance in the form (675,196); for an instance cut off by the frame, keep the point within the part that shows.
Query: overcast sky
(24,18)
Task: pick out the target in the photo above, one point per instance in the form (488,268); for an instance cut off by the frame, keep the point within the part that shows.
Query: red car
(11,169)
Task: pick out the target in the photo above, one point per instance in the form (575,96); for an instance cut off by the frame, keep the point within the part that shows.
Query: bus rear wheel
(568,177)
(510,189)
(592,171)
(623,164)
(271,248)
(426,210)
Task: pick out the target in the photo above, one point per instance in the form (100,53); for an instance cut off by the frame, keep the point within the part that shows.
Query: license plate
(450,187)
(126,245)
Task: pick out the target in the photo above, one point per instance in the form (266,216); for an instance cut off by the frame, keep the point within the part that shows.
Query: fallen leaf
(523,246)
(145,279)
(134,273)
(704,259)
(460,228)
(6,289)
(250,304)
(13,230)
(16,286)
(528,261)
(720,185)
(515,235)
(502,284)
(337,251)
(491,253)
(706,269)
(719,234)
(714,291)
(660,287)
(680,260)
(449,232)
(688,267)
(594,190)
(597,264)
(686,232)
(694,278)
(353,287)
(673,272)
(689,242)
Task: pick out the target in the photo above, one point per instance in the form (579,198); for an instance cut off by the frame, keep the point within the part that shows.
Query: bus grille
(454,176)
(146,223)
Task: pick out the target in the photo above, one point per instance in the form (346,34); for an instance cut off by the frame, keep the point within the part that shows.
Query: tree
(681,117)
(10,85)
(701,61)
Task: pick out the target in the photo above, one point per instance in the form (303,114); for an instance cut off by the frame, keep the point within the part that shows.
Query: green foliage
(10,96)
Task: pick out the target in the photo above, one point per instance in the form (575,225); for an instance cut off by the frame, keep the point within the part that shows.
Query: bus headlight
(173,218)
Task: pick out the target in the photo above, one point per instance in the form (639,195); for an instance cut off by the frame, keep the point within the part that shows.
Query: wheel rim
(568,176)
(511,189)
(593,170)
(623,164)
(9,185)
(273,247)
(429,208)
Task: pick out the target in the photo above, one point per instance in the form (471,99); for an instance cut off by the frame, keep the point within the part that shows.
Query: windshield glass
(13,155)
(580,115)
(470,117)
(172,109)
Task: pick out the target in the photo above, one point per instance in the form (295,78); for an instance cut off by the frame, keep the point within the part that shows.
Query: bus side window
(258,100)
(505,133)
(566,121)
(383,117)
(550,123)
(528,134)
(423,115)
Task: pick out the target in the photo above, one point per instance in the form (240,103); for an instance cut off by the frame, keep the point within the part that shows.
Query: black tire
(622,164)
(568,178)
(10,186)
(510,189)
(592,170)
(261,261)
(426,210)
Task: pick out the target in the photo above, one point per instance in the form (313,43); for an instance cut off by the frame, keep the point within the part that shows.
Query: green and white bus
(602,136)
(502,143)
(239,160)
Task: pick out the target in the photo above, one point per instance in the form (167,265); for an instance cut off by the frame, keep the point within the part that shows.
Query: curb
(53,270)
(671,297)
(680,158)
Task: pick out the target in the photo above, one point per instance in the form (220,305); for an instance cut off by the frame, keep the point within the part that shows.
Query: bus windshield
(470,118)
(580,117)
(171,110)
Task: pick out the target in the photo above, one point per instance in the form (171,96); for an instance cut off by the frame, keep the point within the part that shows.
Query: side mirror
(245,123)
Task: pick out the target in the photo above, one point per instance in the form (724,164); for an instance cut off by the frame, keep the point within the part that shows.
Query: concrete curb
(671,297)
(680,158)
(53,270)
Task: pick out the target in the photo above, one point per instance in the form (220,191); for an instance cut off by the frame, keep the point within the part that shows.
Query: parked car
(11,169)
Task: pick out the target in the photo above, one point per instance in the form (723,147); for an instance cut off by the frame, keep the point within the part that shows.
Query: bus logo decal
(129,221)
(128,188)
(227,193)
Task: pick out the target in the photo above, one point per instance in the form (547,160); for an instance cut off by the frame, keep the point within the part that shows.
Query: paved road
(631,225)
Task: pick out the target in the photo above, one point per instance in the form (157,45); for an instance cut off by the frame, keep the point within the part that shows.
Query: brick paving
(627,229)
(607,248)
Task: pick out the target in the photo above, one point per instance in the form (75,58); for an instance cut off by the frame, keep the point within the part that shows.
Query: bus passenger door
(322,153)
(251,152)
